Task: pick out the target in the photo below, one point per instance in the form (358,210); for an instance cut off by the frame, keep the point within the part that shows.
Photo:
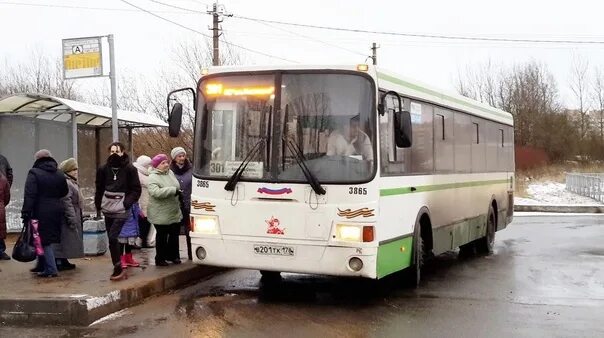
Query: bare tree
(194,55)
(37,74)
(598,99)
(529,92)
(580,87)
(480,83)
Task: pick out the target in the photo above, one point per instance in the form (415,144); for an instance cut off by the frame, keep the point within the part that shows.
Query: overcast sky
(144,42)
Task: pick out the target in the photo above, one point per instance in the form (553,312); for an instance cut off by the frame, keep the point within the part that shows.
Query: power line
(314,39)
(205,35)
(269,25)
(341,29)
(178,7)
(414,35)
(80,7)
(430,36)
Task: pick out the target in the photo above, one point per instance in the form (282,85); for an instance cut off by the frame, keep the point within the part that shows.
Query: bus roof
(415,89)
(392,81)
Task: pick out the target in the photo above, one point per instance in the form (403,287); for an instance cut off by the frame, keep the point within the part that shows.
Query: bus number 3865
(357,191)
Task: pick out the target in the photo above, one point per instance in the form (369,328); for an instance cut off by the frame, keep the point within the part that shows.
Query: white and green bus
(342,170)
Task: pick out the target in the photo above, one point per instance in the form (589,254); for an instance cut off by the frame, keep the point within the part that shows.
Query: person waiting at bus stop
(6,170)
(183,170)
(147,232)
(348,140)
(4,200)
(117,189)
(45,189)
(72,240)
(164,210)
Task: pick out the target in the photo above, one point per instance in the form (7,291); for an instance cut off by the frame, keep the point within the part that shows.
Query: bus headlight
(204,224)
(354,232)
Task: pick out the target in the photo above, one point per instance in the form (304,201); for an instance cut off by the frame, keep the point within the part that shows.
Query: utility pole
(374,53)
(216,33)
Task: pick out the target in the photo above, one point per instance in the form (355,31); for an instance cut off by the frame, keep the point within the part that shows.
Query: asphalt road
(545,279)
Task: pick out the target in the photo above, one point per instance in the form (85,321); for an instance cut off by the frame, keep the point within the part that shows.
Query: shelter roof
(59,109)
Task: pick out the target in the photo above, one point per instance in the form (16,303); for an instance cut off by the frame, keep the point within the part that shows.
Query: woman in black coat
(45,187)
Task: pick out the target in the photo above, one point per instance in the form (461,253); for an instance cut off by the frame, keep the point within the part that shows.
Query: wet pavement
(85,294)
(545,278)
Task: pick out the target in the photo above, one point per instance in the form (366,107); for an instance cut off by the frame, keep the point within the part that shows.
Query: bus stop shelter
(32,121)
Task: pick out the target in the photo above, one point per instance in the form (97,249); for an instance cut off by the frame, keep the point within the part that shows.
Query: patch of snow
(552,193)
(112,316)
(525,201)
(95,302)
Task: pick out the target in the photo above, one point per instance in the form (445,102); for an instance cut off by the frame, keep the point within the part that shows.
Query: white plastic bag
(151,236)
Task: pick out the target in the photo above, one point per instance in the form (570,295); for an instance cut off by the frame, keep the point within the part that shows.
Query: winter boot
(123,262)
(118,273)
(130,260)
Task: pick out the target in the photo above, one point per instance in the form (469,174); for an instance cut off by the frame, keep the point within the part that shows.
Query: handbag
(130,227)
(24,251)
(112,204)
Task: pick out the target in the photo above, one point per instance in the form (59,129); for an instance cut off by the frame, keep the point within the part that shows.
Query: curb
(82,310)
(586,209)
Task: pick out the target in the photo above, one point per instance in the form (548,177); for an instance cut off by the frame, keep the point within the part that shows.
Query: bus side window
(392,159)
(479,146)
(463,143)
(444,151)
(493,140)
(422,151)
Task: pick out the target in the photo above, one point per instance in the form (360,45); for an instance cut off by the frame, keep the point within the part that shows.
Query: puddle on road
(325,291)
(576,227)
(594,252)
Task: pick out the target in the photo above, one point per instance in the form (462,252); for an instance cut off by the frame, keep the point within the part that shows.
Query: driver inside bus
(349,140)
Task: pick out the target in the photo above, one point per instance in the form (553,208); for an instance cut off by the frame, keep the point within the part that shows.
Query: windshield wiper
(299,156)
(232,182)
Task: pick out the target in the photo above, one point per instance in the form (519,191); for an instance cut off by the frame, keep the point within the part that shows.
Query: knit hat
(68,165)
(158,159)
(144,161)
(176,151)
(42,153)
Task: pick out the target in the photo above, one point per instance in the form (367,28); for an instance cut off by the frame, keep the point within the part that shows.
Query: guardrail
(586,184)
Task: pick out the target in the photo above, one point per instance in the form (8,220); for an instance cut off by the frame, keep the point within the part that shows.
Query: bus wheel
(414,272)
(485,244)
(270,275)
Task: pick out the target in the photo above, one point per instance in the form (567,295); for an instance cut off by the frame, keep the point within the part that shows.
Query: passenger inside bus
(349,140)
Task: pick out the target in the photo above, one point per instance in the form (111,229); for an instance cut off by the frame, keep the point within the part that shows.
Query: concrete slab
(83,295)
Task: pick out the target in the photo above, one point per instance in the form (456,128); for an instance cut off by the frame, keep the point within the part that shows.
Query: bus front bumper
(307,258)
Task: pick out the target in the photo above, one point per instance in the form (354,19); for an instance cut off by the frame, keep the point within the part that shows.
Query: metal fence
(586,184)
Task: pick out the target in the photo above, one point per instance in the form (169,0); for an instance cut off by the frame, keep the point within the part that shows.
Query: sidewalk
(83,295)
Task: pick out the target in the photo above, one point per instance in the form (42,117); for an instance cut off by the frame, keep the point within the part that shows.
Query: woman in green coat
(164,210)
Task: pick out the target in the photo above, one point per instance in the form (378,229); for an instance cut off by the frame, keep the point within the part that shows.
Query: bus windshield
(284,123)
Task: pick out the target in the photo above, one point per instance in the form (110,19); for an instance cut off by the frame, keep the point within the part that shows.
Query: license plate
(274,250)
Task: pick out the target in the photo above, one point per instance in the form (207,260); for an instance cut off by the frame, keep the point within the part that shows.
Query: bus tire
(485,244)
(414,272)
(467,250)
(272,275)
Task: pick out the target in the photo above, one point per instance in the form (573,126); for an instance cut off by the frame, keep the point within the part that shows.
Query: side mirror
(175,120)
(402,129)
(175,115)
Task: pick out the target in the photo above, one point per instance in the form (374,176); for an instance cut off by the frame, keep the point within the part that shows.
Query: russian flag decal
(268,191)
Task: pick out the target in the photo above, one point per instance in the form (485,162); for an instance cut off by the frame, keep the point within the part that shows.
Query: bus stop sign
(82,57)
